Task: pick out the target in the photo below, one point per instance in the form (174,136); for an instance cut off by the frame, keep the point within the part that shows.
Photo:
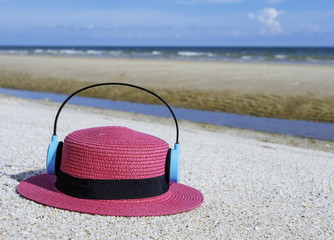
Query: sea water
(296,55)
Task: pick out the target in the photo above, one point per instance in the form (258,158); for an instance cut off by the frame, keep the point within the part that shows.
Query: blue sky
(167,22)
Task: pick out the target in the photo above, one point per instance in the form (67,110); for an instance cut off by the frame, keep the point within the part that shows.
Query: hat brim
(179,198)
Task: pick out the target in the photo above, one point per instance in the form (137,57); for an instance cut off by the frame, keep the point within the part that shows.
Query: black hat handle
(116,83)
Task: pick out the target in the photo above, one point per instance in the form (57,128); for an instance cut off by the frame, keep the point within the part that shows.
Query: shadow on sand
(27,174)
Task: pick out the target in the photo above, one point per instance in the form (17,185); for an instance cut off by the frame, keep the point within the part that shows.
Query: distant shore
(304,92)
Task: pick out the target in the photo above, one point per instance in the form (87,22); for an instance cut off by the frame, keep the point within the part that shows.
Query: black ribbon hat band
(111,189)
(114,189)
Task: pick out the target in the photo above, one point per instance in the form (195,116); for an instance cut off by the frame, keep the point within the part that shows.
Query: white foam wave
(15,52)
(195,54)
(94,52)
(51,51)
(38,51)
(246,57)
(69,52)
(155,52)
(280,56)
(188,54)
(115,53)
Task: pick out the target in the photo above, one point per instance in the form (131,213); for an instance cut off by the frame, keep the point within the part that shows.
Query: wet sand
(303,92)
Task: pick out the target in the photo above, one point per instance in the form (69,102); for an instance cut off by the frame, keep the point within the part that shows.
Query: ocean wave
(280,56)
(220,54)
(246,57)
(69,52)
(156,53)
(94,52)
(50,51)
(201,55)
(38,51)
(188,54)
(15,52)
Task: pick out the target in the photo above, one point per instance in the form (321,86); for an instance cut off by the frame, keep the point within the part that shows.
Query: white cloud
(268,17)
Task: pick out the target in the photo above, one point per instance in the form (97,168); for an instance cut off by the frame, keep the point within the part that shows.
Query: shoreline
(265,137)
(297,128)
(267,90)
(176,60)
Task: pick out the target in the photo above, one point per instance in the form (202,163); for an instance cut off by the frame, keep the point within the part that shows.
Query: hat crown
(113,153)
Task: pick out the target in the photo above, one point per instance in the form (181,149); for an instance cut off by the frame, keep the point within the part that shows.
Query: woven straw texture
(179,198)
(113,153)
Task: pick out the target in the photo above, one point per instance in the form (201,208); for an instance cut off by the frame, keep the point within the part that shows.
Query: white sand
(252,189)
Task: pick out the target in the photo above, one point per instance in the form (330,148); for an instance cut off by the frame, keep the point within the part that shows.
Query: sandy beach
(255,186)
(304,92)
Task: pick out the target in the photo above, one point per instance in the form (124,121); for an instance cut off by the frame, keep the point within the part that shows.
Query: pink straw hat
(112,171)
(112,153)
